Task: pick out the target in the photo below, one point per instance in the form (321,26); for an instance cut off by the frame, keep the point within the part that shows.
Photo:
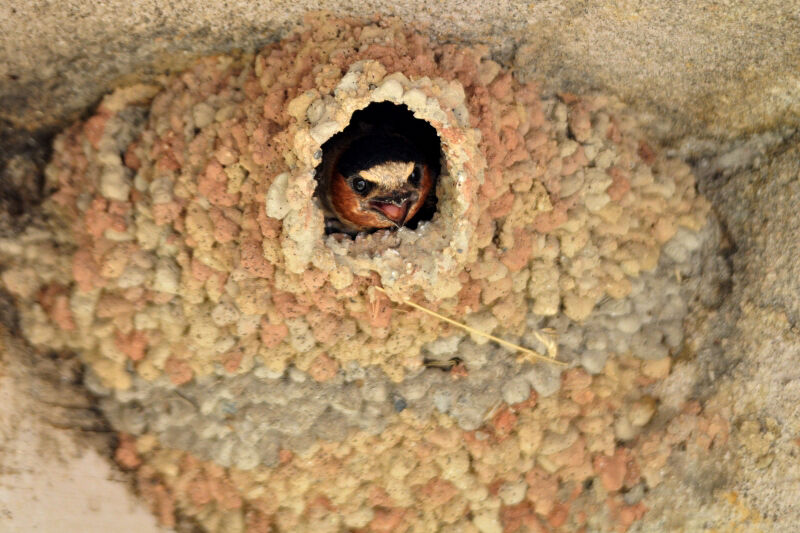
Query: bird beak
(394,208)
(395,213)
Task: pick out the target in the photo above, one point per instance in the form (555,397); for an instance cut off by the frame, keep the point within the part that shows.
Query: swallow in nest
(380,172)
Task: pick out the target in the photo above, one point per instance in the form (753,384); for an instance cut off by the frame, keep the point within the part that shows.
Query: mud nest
(260,379)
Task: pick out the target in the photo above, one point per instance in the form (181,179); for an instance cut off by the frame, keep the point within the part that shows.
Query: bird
(378,173)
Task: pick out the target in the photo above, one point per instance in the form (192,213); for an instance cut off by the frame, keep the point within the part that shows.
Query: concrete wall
(723,68)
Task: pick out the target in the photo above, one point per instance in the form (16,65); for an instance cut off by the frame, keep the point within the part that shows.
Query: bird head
(386,192)
(378,181)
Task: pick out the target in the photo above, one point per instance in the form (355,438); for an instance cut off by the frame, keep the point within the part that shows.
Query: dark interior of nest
(385,118)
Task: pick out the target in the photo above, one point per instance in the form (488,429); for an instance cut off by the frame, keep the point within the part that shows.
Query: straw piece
(551,345)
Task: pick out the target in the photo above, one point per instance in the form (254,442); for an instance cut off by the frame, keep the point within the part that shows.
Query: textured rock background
(725,67)
(716,72)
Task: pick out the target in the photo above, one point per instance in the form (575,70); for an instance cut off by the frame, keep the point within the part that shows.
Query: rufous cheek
(425,186)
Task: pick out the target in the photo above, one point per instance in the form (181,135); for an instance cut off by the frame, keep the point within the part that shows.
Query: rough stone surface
(56,473)
(743,360)
(723,69)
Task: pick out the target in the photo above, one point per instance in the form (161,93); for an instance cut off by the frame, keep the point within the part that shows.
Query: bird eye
(416,176)
(360,185)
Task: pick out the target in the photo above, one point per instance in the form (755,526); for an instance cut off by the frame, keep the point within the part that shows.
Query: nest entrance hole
(387,117)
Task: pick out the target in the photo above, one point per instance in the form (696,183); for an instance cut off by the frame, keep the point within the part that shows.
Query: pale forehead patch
(390,175)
